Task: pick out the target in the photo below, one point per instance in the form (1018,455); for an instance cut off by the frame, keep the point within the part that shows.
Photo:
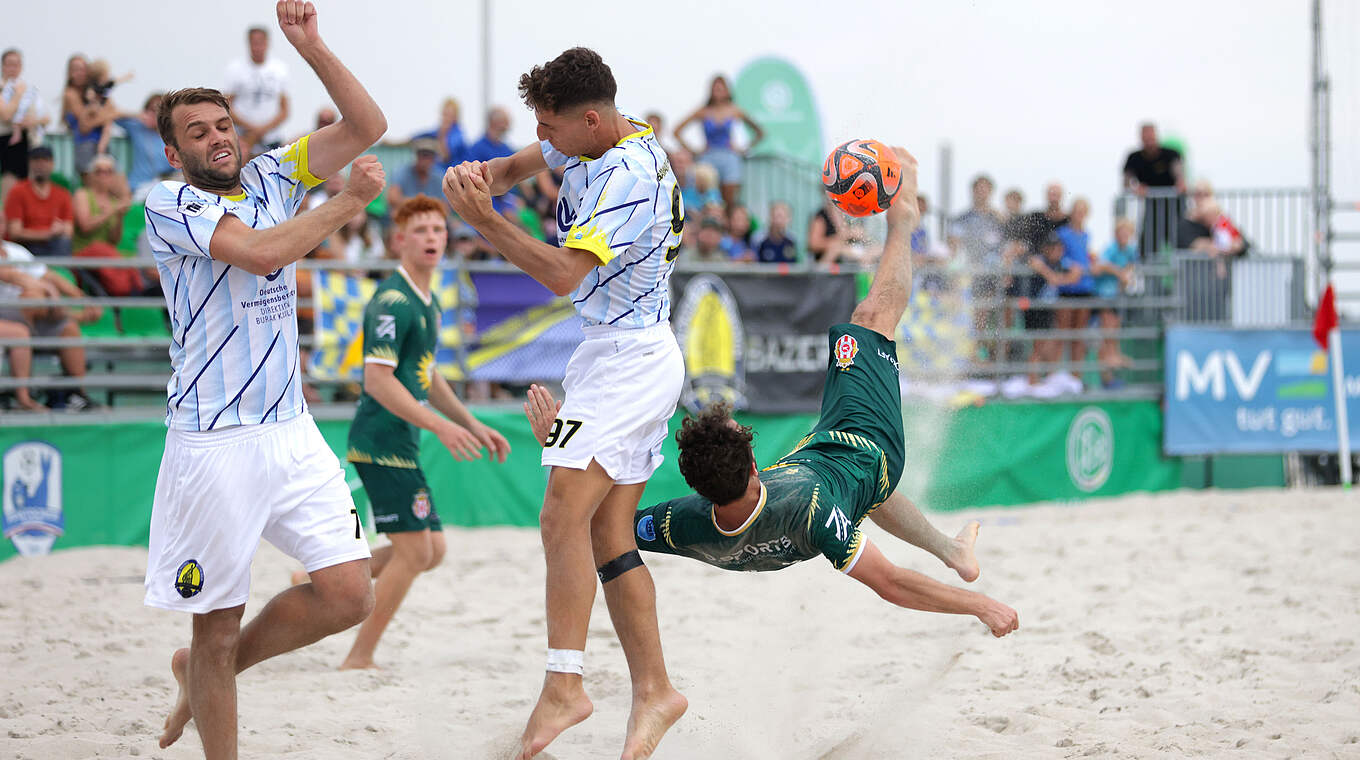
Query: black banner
(757,341)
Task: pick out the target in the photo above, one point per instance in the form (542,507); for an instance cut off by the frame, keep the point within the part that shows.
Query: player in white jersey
(243,458)
(619,219)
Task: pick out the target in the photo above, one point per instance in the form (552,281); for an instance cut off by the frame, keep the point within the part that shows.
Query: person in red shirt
(38,213)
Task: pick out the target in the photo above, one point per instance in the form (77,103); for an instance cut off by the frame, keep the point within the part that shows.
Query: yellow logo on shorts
(846,348)
(421,504)
(189,579)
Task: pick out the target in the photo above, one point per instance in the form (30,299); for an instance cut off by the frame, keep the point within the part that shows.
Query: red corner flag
(1326,317)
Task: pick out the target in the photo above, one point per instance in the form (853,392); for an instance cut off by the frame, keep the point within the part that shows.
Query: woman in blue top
(1114,272)
(1076,255)
(719,117)
(85,115)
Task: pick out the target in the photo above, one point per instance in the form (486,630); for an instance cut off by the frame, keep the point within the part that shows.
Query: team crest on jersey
(189,579)
(420,505)
(846,348)
(32,517)
(646,528)
(387,326)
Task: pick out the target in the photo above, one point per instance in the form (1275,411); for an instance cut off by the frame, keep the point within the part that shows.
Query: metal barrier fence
(1275,221)
(993,338)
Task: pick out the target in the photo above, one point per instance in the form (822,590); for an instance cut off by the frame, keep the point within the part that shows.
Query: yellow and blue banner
(341,297)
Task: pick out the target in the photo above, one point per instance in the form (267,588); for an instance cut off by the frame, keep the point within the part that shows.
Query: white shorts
(218,493)
(622,386)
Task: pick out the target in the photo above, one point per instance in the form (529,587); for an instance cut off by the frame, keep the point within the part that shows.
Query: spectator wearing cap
(775,246)
(421,176)
(38,213)
(713,244)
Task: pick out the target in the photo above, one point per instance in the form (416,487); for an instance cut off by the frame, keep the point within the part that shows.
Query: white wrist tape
(567,661)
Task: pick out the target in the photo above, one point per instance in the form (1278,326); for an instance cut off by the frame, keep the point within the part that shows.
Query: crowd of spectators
(1022,271)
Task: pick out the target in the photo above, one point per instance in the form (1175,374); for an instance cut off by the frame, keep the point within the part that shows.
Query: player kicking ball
(813,500)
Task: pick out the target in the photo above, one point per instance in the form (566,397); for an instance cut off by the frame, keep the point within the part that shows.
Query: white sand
(1204,624)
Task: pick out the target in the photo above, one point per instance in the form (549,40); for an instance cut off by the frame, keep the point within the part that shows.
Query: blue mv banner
(1255,391)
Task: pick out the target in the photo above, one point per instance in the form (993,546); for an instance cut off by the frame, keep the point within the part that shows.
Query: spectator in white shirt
(256,90)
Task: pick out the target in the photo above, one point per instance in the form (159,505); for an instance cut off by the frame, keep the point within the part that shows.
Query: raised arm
(262,251)
(558,269)
(906,588)
(361,122)
(508,171)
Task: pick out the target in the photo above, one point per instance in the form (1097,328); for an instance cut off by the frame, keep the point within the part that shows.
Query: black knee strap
(619,565)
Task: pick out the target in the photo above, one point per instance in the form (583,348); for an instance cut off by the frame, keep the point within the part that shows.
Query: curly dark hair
(715,454)
(576,77)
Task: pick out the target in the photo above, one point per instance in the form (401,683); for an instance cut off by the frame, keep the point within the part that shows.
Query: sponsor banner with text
(756,341)
(1255,391)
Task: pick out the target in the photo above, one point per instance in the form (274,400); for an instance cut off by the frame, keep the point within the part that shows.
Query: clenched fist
(366,179)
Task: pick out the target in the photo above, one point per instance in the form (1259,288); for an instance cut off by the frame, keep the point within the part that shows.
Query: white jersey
(234,336)
(255,89)
(624,207)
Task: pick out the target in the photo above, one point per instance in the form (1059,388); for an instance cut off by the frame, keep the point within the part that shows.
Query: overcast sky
(1026,91)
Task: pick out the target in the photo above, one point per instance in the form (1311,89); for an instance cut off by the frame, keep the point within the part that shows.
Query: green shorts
(400,499)
(863,394)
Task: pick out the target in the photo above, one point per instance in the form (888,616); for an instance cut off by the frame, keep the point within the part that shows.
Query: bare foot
(27,403)
(180,713)
(299,577)
(354,662)
(649,721)
(562,705)
(962,560)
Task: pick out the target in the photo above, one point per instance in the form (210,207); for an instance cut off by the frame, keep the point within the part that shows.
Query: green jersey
(401,330)
(812,502)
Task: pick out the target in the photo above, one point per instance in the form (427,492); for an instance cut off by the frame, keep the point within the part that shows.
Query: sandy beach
(1190,624)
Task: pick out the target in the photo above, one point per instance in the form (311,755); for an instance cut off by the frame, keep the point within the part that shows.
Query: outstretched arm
(558,269)
(361,121)
(915,591)
(264,250)
(505,172)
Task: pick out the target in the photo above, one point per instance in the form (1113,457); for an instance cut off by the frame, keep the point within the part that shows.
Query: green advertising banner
(776,95)
(83,485)
(1023,453)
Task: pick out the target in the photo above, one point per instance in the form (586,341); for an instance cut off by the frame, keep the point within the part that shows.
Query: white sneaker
(1051,387)
(1015,387)
(982,388)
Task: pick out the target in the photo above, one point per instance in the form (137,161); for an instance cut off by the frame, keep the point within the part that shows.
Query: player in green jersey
(401,335)
(813,500)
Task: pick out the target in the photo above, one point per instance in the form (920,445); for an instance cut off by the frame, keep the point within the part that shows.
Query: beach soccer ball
(861,177)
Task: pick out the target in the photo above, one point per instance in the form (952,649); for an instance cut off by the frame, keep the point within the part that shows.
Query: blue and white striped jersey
(625,208)
(234,341)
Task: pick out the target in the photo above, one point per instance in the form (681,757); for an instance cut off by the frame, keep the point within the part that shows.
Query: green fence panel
(999,454)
